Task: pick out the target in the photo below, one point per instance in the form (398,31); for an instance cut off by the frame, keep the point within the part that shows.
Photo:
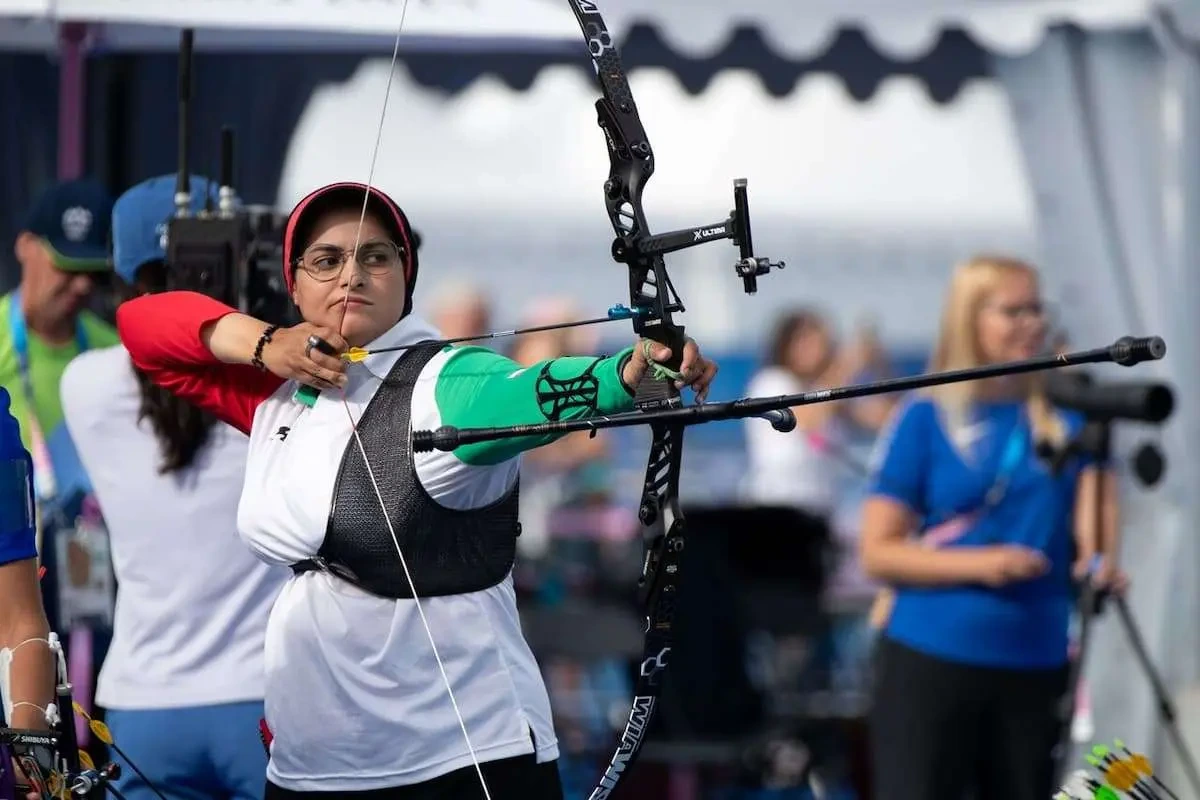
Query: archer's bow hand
(695,371)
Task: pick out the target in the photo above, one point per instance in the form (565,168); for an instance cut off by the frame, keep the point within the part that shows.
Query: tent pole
(72,99)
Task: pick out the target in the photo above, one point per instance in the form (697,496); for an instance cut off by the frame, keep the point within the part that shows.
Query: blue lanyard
(20,340)
(1014,453)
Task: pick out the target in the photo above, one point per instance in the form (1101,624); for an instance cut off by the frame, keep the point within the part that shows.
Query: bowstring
(462,724)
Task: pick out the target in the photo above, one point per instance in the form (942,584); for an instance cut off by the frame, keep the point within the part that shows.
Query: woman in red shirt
(358,672)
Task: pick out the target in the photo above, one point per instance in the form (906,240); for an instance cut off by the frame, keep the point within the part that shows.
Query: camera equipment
(231,253)
(1138,401)
(1101,405)
(1106,402)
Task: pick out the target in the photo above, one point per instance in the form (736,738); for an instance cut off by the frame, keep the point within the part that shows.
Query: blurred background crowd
(883,143)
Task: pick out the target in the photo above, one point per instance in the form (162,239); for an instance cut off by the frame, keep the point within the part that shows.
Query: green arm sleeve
(478,388)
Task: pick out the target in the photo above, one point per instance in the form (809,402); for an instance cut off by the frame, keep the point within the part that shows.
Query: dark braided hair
(181,428)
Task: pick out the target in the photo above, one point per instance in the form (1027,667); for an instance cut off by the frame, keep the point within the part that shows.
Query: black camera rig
(231,252)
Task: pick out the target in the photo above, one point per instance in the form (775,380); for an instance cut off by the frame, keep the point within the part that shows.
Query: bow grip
(659,392)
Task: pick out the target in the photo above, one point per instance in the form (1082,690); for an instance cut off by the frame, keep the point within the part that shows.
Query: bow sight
(232,253)
(735,227)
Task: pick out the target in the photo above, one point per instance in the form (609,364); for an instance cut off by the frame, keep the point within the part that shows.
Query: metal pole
(72,99)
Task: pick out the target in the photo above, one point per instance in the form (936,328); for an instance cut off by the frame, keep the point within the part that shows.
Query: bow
(51,759)
(652,302)
(653,299)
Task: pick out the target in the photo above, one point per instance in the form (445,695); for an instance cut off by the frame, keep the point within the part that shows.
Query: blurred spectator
(460,309)
(62,246)
(972,662)
(193,600)
(62,249)
(801,468)
(810,469)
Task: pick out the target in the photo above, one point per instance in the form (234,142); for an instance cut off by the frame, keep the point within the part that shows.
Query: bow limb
(363,452)
(663,536)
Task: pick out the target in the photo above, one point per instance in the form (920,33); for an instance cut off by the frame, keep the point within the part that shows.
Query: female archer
(395,663)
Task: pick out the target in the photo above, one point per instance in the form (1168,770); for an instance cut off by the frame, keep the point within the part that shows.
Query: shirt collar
(410,330)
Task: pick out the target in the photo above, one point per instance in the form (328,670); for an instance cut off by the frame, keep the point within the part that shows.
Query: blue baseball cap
(72,220)
(140,218)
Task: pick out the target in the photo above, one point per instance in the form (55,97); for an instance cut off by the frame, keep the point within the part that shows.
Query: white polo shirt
(192,601)
(355,698)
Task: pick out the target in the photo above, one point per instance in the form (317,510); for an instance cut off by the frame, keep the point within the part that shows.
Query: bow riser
(654,300)
(662,522)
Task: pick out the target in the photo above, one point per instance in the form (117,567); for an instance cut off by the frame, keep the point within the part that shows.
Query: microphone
(1129,350)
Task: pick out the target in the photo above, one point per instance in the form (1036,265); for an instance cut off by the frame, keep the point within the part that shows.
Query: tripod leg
(1166,709)
(1062,753)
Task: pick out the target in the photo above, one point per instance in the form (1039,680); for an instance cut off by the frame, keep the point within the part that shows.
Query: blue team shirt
(17,536)
(1022,625)
(17,547)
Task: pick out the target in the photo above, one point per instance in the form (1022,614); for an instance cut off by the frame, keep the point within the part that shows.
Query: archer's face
(369,289)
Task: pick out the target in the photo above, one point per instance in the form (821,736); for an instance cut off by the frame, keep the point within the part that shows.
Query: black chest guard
(448,551)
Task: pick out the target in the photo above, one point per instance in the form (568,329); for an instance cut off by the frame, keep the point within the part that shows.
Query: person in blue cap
(62,248)
(26,665)
(182,683)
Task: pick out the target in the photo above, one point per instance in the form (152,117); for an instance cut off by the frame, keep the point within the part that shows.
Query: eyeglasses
(323,262)
(1021,311)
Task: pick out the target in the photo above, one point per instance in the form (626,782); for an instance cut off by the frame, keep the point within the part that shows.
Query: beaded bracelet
(262,342)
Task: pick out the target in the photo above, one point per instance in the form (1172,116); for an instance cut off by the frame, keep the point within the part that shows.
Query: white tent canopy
(904,29)
(901,28)
(297,24)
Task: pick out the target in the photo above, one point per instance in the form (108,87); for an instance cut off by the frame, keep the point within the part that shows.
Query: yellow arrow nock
(355,355)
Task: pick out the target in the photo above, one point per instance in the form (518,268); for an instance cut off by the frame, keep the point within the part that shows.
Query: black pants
(519,778)
(946,731)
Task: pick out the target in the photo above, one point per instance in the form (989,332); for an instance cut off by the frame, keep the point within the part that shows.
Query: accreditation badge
(86,586)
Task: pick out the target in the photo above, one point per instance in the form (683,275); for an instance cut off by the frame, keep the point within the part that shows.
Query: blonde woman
(972,659)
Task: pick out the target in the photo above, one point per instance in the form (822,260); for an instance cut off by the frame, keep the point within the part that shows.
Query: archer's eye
(325,262)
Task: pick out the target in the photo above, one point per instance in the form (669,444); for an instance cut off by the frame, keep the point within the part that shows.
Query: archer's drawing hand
(695,371)
(289,356)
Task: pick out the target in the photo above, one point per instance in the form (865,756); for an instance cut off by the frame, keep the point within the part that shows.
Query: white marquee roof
(904,29)
(794,28)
